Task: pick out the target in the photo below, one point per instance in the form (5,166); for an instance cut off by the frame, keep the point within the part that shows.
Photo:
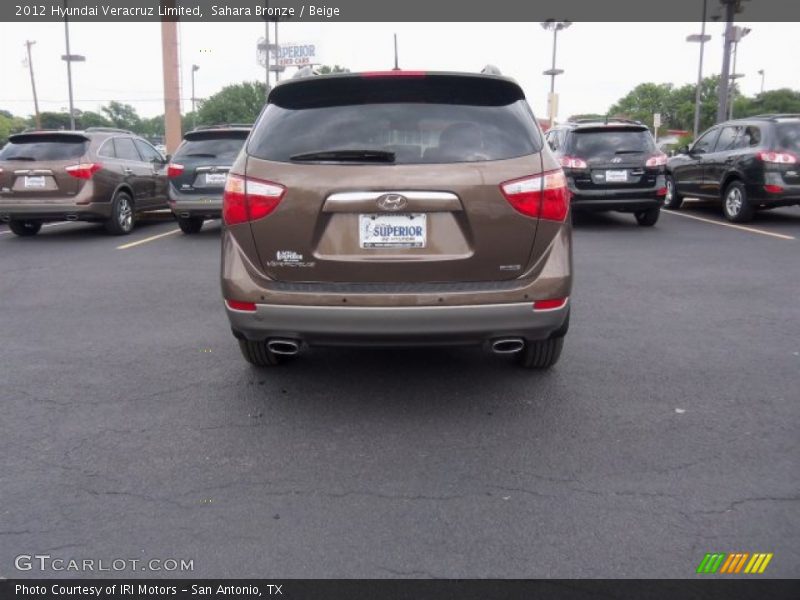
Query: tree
(10,124)
(91,119)
(783,100)
(327,69)
(122,115)
(54,120)
(239,103)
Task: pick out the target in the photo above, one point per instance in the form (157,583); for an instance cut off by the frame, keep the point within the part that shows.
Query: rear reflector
(239,305)
(551,304)
(174,170)
(545,196)
(659,160)
(248,199)
(84,170)
(396,73)
(780,158)
(773,189)
(573,162)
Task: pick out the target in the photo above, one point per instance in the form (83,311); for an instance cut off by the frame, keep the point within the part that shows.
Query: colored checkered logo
(735,562)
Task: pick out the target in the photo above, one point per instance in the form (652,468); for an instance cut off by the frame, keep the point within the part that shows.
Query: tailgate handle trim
(366,201)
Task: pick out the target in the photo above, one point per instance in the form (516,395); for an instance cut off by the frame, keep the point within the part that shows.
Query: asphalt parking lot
(132,428)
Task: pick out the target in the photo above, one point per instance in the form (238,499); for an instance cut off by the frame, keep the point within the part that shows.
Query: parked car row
(399,208)
(110,176)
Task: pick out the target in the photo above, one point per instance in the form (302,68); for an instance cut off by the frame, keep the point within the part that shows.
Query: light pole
(738,34)
(702,39)
(761,72)
(195,68)
(28,44)
(555,27)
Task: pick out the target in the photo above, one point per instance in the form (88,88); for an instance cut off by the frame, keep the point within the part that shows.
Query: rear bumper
(397,325)
(621,204)
(55,211)
(195,205)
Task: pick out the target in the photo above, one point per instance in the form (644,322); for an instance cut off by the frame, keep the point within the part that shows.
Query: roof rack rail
(491,70)
(35,129)
(110,130)
(774,116)
(223,126)
(606,120)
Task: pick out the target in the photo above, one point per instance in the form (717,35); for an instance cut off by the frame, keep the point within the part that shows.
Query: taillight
(174,170)
(247,199)
(773,189)
(551,304)
(662,191)
(573,162)
(780,158)
(545,196)
(239,305)
(659,160)
(84,170)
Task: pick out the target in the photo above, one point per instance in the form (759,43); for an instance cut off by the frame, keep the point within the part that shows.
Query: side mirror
(684,149)
(168,158)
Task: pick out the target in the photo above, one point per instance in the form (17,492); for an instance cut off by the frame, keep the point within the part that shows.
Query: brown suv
(397,208)
(100,174)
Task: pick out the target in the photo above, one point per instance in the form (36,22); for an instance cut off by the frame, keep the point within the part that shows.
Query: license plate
(616,176)
(392,231)
(35,182)
(215,178)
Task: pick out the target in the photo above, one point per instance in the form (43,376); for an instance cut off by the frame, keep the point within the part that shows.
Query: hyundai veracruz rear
(399,208)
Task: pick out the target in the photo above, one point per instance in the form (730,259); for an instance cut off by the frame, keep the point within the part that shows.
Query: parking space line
(152,238)
(780,236)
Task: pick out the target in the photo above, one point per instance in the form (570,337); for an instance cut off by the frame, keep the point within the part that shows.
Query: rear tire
(257,353)
(541,354)
(190,225)
(735,205)
(121,220)
(649,217)
(25,228)
(673,199)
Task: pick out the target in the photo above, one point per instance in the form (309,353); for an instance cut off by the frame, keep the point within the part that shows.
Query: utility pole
(195,68)
(396,64)
(724,77)
(761,72)
(266,45)
(29,43)
(277,53)
(702,38)
(172,88)
(68,58)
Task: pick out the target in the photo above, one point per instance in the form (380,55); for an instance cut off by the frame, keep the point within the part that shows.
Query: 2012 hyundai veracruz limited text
(397,208)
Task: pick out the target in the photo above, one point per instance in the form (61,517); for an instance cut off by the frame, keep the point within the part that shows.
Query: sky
(602,61)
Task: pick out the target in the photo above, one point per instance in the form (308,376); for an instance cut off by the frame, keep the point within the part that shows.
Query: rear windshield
(415,132)
(44,148)
(212,146)
(789,136)
(608,143)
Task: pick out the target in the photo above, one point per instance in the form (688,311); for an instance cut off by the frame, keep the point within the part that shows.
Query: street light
(28,44)
(195,68)
(69,59)
(702,38)
(555,27)
(761,72)
(739,33)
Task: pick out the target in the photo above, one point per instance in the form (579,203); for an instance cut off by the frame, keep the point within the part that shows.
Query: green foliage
(327,69)
(122,115)
(10,124)
(239,103)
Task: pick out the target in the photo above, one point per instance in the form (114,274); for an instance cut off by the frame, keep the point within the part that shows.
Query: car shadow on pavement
(603,220)
(787,217)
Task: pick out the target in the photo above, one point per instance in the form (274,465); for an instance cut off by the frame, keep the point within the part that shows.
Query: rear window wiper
(203,154)
(629,152)
(19,158)
(347,155)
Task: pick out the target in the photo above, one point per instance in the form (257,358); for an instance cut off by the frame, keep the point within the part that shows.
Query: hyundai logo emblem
(392,202)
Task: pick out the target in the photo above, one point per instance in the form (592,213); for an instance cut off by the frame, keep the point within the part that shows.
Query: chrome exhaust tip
(285,347)
(507,345)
